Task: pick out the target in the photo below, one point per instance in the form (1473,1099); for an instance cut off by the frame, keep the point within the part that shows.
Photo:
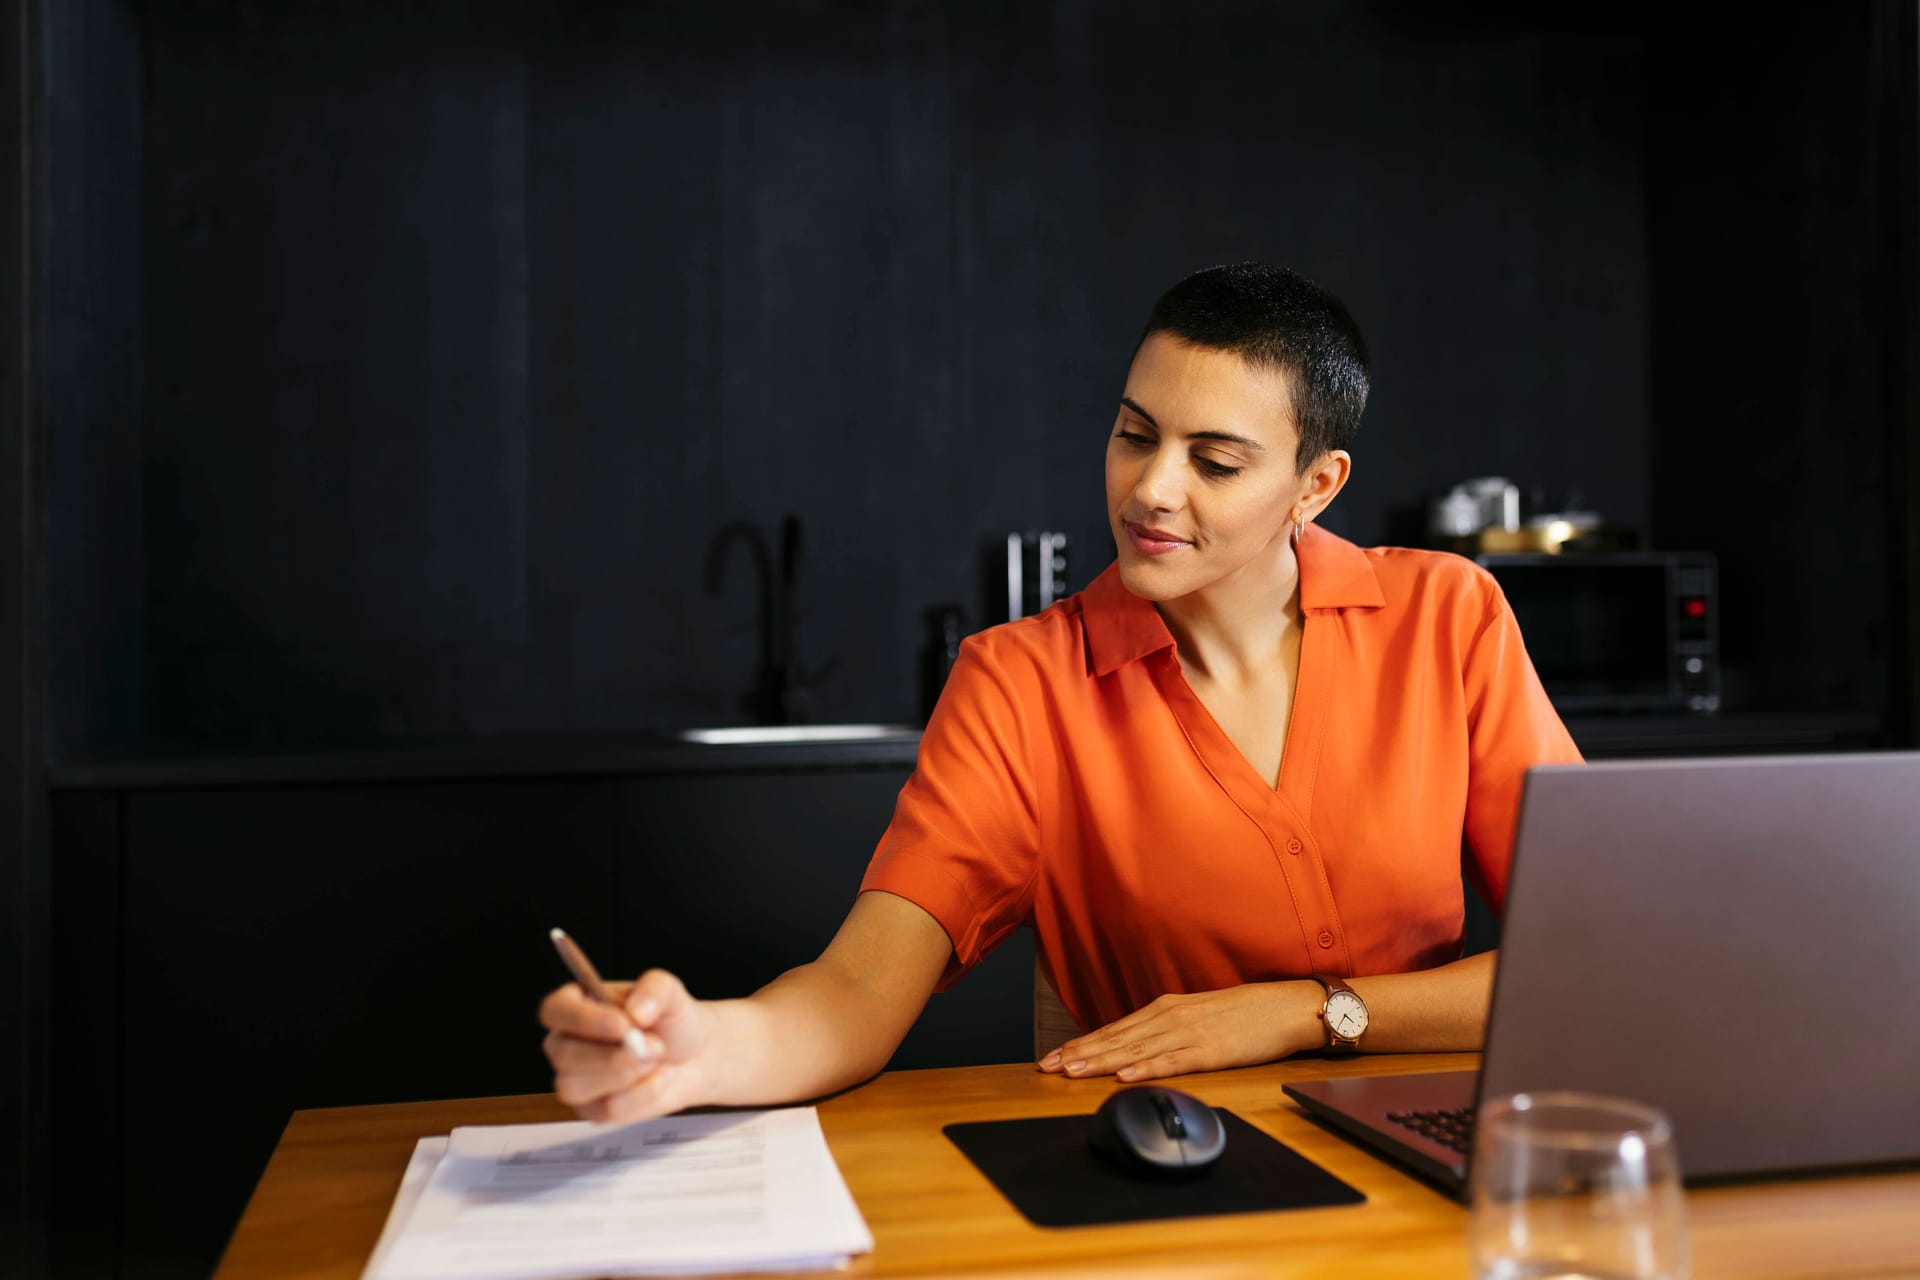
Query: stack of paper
(739,1191)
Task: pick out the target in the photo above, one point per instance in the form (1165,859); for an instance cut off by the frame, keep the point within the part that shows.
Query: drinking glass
(1575,1185)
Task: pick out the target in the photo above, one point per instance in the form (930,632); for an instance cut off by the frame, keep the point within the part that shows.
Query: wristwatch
(1345,1014)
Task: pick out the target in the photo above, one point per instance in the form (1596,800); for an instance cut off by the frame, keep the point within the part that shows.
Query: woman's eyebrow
(1227,436)
(1230,438)
(1134,405)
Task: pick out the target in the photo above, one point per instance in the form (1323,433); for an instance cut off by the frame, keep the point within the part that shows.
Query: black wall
(95,351)
(417,360)
(1780,287)
(1896,77)
(23,866)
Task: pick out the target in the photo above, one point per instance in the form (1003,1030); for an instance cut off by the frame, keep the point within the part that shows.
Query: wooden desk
(325,1194)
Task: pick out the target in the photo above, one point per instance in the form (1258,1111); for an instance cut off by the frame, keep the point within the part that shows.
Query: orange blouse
(1070,778)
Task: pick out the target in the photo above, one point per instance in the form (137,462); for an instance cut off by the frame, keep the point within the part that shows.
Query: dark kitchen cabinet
(735,880)
(228,954)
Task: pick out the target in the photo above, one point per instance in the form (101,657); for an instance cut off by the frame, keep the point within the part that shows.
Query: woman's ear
(1325,479)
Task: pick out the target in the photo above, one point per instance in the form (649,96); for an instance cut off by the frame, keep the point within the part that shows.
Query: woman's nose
(1159,486)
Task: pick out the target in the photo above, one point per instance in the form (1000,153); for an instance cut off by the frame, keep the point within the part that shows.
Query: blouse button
(1326,939)
(1293,846)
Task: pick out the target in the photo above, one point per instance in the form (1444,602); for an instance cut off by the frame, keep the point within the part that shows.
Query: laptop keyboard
(1453,1129)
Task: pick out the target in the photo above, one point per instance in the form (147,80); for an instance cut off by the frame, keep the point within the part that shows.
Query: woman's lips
(1149,541)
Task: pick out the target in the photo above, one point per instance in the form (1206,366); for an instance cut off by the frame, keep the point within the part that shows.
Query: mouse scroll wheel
(1170,1118)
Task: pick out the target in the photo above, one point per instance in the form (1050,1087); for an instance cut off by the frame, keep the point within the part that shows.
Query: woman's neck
(1235,630)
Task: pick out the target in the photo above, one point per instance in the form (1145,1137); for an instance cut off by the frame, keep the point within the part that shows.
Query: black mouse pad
(1045,1167)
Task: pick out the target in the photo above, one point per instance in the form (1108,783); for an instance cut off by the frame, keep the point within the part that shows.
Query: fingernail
(1075,1068)
(646,1009)
(1127,1073)
(1051,1061)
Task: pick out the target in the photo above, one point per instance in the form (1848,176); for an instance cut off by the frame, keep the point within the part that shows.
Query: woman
(1229,784)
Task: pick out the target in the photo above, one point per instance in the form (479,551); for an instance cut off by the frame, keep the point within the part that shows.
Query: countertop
(1723,733)
(493,757)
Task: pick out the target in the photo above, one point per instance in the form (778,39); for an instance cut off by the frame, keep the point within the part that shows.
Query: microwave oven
(1617,630)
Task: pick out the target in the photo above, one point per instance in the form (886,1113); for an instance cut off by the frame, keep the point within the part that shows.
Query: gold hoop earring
(1299,526)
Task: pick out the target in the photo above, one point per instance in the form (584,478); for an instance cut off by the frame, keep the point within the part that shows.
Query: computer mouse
(1156,1131)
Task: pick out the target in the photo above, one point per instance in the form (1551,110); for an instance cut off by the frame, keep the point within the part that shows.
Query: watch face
(1346,1014)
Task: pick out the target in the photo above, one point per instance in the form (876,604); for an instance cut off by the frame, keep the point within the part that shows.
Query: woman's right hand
(600,1078)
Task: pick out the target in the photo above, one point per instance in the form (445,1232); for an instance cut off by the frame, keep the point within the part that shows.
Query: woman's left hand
(1208,1031)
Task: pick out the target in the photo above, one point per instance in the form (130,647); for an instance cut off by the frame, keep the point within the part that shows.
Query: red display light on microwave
(1695,608)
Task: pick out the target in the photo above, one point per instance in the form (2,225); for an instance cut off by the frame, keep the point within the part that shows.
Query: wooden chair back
(1053,1026)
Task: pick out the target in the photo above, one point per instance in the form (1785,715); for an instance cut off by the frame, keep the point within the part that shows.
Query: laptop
(1736,941)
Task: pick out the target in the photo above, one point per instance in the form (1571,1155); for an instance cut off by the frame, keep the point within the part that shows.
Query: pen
(589,979)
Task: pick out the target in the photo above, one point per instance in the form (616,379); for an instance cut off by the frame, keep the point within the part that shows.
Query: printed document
(737,1191)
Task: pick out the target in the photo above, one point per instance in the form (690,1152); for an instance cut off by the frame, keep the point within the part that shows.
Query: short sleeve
(1511,726)
(963,843)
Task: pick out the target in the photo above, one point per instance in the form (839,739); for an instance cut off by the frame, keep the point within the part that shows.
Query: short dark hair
(1275,319)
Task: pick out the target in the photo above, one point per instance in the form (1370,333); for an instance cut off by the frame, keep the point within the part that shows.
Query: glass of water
(1575,1186)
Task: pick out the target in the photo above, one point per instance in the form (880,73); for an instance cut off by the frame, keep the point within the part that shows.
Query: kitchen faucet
(780,693)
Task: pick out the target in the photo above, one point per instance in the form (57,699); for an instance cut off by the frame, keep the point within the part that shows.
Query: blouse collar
(1121,627)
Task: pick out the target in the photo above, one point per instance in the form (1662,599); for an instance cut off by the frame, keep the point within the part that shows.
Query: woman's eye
(1209,467)
(1133,438)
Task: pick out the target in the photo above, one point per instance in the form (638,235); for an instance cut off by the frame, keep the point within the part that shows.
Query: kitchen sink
(761,734)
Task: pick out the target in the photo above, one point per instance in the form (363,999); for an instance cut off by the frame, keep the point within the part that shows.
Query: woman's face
(1201,483)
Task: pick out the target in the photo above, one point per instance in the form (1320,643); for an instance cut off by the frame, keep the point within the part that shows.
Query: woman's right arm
(812,1030)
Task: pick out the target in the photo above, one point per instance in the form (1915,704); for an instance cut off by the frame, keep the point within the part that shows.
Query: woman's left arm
(1432,1011)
